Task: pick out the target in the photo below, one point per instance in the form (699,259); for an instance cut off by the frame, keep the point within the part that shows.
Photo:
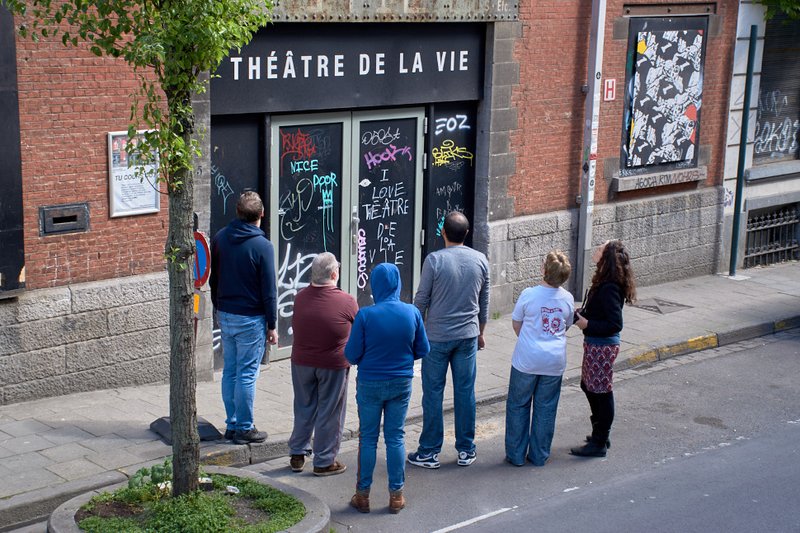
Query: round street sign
(202,259)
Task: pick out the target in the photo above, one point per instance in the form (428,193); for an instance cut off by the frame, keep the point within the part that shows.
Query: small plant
(143,506)
(157,475)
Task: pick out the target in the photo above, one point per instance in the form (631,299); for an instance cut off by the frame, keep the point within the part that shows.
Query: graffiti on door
(309,209)
(387,172)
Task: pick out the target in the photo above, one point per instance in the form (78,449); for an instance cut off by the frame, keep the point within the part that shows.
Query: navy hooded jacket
(386,337)
(243,272)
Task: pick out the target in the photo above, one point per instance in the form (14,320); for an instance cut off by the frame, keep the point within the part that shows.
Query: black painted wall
(12,257)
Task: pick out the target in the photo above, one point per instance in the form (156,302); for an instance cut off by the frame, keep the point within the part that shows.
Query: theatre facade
(361,126)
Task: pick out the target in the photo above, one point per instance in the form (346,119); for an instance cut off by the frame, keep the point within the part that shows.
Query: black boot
(608,441)
(594,430)
(593,448)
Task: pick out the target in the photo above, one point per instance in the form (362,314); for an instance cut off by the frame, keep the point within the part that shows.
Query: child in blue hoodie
(385,340)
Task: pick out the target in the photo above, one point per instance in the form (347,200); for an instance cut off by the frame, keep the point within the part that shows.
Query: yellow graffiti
(641,47)
(449,152)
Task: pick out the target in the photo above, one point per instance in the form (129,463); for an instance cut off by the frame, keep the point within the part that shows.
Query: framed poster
(132,186)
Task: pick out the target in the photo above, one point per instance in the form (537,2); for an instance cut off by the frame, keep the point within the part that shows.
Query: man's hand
(272,336)
(481,342)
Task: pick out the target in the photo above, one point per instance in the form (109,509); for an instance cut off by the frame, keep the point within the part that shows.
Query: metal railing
(772,237)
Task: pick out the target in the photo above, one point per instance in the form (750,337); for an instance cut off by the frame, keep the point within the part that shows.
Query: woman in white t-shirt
(540,319)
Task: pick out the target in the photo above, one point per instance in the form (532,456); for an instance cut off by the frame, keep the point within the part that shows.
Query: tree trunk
(182,369)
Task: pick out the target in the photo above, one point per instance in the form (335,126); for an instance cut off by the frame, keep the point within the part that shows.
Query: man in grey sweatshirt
(453,296)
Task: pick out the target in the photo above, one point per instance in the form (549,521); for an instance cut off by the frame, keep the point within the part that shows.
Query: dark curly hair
(615,266)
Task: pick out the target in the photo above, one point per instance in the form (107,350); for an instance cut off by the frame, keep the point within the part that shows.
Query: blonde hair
(557,268)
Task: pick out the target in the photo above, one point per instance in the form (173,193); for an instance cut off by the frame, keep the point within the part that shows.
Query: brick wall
(69,100)
(553,55)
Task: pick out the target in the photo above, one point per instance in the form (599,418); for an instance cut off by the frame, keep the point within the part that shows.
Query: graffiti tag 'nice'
(287,66)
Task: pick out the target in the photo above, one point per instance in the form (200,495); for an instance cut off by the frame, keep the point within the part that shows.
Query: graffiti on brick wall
(666,92)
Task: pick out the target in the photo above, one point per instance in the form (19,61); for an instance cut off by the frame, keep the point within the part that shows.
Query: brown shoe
(330,470)
(396,501)
(360,501)
(297,462)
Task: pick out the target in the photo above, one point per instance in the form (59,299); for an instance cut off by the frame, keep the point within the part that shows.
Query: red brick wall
(553,55)
(69,100)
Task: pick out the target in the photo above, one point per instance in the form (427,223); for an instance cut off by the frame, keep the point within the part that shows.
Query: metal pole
(589,154)
(737,199)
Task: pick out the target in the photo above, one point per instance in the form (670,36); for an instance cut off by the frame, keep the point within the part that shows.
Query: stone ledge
(658,179)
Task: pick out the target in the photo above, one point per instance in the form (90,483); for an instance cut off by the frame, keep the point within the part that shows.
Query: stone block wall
(669,237)
(87,336)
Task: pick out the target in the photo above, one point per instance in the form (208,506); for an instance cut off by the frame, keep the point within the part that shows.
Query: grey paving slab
(65,435)
(76,469)
(21,428)
(28,443)
(4,452)
(104,443)
(28,480)
(102,427)
(25,461)
(114,460)
(150,450)
(65,452)
(138,434)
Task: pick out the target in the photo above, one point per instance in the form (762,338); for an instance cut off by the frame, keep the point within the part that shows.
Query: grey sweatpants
(320,406)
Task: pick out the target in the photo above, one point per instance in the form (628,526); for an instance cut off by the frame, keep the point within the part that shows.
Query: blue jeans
(390,399)
(460,355)
(243,341)
(531,434)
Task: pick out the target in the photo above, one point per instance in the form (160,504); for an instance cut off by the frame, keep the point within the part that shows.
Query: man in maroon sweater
(323,316)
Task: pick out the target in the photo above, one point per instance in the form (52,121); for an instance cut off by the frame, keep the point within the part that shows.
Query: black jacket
(603,310)
(243,272)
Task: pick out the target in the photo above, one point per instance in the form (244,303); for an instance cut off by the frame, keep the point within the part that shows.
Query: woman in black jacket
(601,321)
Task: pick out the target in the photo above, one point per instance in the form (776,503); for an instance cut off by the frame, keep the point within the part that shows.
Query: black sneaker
(251,435)
(425,461)
(229,433)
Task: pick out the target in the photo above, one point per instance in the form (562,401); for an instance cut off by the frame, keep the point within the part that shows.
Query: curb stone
(316,520)
(24,509)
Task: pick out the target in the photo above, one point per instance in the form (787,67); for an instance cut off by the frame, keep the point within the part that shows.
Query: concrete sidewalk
(55,448)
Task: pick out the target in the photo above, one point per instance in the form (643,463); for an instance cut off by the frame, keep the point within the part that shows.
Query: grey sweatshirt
(453,293)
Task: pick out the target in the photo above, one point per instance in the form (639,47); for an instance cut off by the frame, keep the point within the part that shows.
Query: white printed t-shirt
(546,314)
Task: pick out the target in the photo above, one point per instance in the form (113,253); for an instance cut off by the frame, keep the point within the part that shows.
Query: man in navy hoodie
(244,295)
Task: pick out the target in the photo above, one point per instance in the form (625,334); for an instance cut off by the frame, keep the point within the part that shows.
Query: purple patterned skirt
(597,371)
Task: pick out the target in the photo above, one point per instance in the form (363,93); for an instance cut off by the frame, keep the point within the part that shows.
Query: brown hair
(556,268)
(615,266)
(249,208)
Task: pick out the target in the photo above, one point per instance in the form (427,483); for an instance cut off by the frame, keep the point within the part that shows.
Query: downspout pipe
(740,171)
(589,153)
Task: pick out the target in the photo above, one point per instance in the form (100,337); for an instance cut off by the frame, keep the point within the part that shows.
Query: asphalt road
(708,442)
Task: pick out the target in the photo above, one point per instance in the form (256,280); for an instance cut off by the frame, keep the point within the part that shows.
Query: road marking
(471,521)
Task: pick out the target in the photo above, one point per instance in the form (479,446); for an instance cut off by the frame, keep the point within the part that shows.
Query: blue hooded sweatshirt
(386,337)
(243,272)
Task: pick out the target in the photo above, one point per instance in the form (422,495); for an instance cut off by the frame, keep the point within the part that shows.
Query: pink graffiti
(389,154)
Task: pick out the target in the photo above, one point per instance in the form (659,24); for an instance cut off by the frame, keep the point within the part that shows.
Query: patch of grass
(256,508)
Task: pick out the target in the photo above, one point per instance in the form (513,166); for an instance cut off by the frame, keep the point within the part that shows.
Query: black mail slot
(57,219)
